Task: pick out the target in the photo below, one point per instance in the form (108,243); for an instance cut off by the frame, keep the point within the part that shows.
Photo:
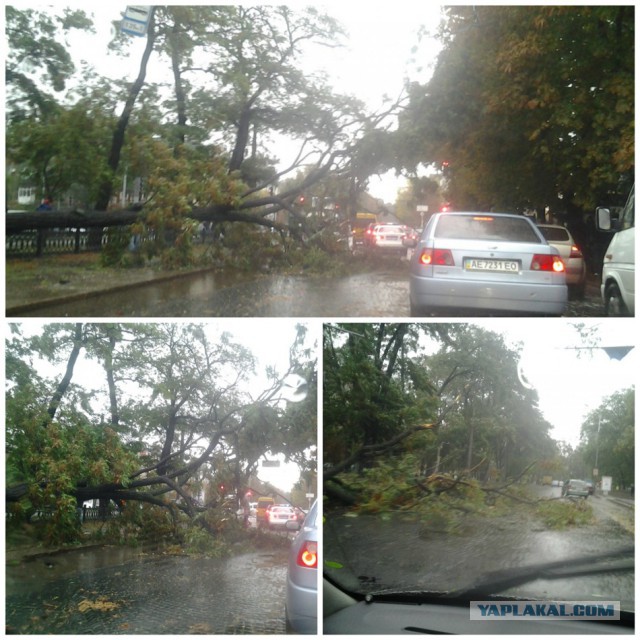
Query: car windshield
(555,234)
(451,455)
(486,227)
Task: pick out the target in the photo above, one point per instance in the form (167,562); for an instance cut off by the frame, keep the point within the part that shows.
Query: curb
(16,310)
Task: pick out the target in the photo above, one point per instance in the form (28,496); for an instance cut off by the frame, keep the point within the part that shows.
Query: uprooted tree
(209,145)
(412,412)
(143,414)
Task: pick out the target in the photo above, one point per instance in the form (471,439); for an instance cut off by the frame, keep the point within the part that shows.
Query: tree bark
(117,142)
(63,385)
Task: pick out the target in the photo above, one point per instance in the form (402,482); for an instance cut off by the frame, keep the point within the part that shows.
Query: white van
(618,269)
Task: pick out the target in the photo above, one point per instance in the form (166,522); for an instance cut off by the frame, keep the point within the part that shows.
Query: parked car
(388,237)
(302,575)
(575,488)
(618,269)
(576,267)
(489,262)
(590,487)
(279,514)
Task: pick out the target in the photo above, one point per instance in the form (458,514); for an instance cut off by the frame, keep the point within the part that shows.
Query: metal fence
(38,242)
(88,514)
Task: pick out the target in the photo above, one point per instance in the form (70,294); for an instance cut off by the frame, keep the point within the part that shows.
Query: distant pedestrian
(45,205)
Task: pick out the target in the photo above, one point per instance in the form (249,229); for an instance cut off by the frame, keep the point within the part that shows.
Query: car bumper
(301,608)
(576,275)
(429,293)
(278,524)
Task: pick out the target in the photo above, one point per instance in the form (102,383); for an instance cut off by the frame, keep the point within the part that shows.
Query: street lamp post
(595,470)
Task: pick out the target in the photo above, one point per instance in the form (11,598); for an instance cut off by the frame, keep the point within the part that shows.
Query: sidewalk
(31,284)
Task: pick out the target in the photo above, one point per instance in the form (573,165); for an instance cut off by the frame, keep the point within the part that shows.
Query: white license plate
(481,264)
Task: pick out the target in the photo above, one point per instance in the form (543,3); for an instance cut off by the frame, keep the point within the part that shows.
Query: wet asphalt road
(153,594)
(404,554)
(382,292)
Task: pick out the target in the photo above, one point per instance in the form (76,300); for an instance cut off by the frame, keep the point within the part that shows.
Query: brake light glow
(308,555)
(436,257)
(483,218)
(545,262)
(575,252)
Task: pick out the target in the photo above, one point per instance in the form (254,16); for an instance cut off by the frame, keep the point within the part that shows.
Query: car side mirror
(604,220)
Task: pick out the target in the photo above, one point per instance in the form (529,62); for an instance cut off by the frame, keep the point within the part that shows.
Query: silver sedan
(487,262)
(302,575)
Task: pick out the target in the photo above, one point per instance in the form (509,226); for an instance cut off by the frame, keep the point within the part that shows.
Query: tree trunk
(113,398)
(179,91)
(117,141)
(66,380)
(242,139)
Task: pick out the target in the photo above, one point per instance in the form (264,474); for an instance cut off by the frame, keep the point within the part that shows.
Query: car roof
(443,214)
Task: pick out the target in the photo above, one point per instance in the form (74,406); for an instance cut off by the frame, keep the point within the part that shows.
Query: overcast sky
(571,380)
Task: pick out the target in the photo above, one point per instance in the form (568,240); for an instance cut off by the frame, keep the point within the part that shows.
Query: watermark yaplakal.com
(540,609)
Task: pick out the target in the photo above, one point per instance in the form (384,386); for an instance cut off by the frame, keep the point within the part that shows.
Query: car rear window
(389,228)
(486,227)
(554,234)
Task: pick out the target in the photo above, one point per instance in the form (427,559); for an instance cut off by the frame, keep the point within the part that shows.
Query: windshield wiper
(499,581)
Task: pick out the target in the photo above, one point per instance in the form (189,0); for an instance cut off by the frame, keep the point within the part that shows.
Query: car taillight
(308,555)
(544,262)
(436,257)
(575,252)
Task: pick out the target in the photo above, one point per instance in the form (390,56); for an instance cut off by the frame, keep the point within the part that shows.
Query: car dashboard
(346,615)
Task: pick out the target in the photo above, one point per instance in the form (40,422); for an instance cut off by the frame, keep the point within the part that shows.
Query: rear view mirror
(603,219)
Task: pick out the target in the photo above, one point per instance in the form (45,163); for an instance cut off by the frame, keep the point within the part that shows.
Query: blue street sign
(136,20)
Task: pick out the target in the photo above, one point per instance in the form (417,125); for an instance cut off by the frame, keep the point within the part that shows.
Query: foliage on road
(561,514)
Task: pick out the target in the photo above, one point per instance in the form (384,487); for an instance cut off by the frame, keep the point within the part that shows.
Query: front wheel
(614,305)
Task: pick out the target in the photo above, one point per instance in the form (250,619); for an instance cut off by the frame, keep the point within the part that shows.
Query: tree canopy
(415,410)
(528,107)
(449,394)
(608,438)
(158,414)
